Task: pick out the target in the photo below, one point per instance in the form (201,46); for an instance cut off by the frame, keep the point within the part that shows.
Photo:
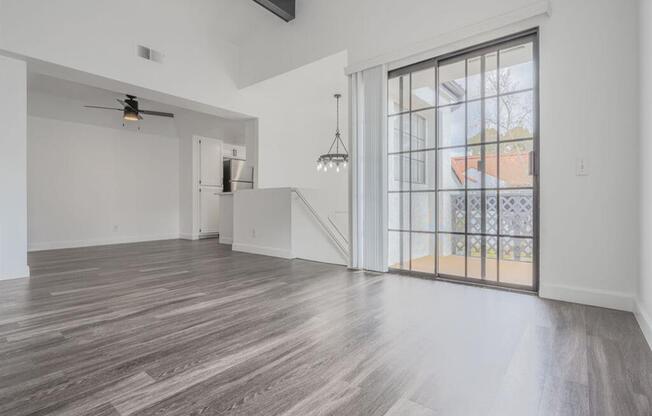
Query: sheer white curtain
(368,174)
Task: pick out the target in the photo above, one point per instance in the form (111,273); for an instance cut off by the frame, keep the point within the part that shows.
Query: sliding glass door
(462,185)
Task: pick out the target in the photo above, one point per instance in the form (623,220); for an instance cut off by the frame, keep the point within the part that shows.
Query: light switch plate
(581,167)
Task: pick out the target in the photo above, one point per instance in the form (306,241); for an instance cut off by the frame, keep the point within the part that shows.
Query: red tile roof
(514,168)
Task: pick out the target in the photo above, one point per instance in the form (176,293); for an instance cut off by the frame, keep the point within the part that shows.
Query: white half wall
(262,222)
(13,181)
(276,222)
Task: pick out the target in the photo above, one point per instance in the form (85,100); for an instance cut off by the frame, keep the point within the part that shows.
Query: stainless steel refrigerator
(237,175)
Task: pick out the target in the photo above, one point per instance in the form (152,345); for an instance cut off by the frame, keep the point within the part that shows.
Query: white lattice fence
(516,220)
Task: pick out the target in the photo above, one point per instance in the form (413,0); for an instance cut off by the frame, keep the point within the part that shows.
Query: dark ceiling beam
(285,9)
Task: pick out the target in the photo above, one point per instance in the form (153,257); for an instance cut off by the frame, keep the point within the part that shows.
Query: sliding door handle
(531,163)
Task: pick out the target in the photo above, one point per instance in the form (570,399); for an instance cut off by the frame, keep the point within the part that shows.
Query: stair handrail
(343,250)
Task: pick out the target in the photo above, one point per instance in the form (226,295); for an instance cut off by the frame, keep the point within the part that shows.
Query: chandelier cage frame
(337,155)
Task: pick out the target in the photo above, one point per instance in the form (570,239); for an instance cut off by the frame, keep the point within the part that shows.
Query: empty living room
(326,207)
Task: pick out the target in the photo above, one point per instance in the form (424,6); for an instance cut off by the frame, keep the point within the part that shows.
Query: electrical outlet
(581,167)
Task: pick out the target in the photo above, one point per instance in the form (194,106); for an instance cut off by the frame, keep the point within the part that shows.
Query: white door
(209,218)
(210,162)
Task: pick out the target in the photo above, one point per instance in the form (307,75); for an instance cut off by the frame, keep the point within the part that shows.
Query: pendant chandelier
(337,156)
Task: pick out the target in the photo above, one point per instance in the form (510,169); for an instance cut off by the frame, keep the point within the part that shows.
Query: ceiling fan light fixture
(130,115)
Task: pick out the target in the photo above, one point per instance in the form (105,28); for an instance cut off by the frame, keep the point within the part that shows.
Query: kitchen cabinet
(209,202)
(232,151)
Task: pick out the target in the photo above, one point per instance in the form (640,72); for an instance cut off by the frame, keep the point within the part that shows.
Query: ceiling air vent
(149,53)
(285,9)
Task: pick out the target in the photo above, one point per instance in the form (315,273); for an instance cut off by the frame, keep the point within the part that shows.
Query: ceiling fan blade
(125,104)
(104,108)
(156,113)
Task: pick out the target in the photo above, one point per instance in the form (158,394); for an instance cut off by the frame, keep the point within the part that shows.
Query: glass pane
(515,164)
(452,130)
(398,94)
(452,211)
(491,74)
(423,170)
(516,68)
(474,80)
(450,252)
(451,168)
(516,116)
(398,131)
(452,83)
(480,248)
(423,130)
(398,172)
(399,250)
(423,211)
(399,211)
(517,213)
(423,89)
(423,253)
(516,261)
(491,120)
(482,167)
(474,120)
(480,222)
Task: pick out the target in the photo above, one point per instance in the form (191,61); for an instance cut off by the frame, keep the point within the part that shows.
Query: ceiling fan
(130,109)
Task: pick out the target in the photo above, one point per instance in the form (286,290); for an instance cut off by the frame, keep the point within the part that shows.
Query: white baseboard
(644,321)
(266,251)
(209,235)
(188,236)
(605,299)
(226,240)
(22,274)
(54,245)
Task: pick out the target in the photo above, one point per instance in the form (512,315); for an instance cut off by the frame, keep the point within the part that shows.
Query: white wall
(100,38)
(13,188)
(296,123)
(365,28)
(644,307)
(91,184)
(589,93)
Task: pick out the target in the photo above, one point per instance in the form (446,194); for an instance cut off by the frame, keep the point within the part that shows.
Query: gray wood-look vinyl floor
(192,328)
